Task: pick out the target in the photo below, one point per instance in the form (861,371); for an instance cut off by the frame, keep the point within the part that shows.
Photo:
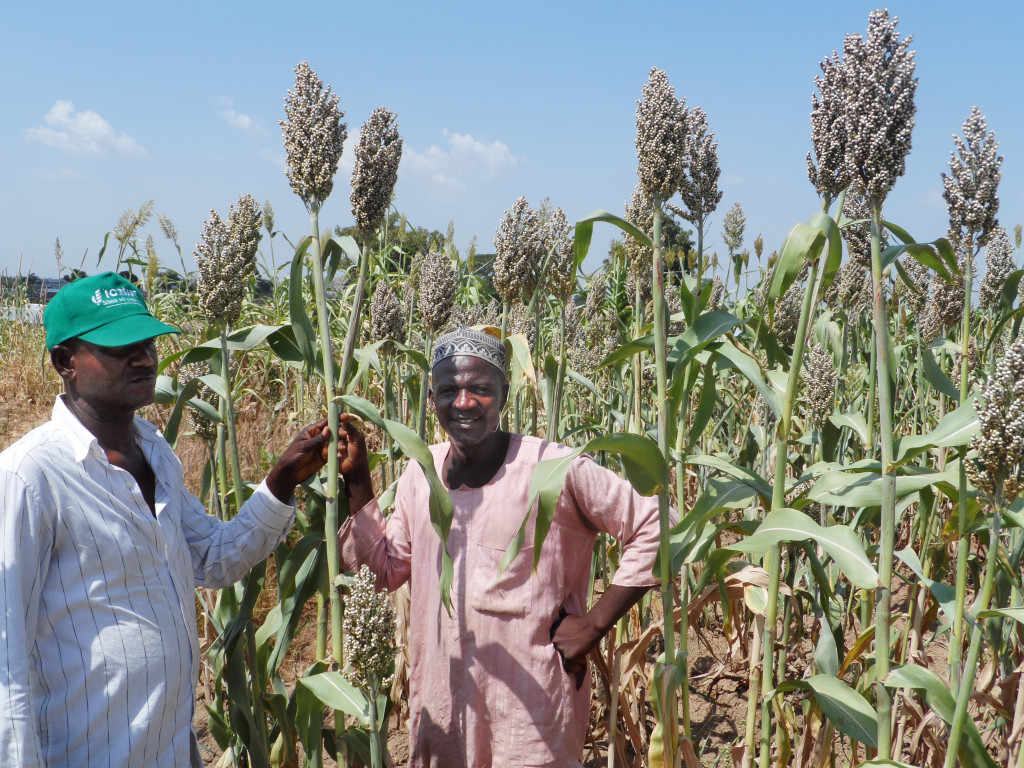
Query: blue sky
(110,104)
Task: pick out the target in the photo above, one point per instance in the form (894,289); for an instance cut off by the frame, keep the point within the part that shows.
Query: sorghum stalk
(768,654)
(331,517)
(960,714)
(887,532)
(669,707)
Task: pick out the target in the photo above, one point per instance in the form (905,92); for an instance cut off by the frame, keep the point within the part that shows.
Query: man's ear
(62,360)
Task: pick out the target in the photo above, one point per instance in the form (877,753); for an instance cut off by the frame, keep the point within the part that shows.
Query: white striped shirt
(98,646)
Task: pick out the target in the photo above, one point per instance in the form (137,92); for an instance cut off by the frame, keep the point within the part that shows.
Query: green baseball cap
(106,310)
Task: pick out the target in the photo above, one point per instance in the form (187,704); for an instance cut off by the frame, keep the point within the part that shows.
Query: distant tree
(408,240)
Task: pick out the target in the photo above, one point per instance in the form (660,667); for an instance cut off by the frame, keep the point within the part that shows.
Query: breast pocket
(509,593)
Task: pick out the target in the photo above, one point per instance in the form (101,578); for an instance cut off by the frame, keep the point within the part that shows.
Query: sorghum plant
(314,135)
(997,473)
(971,200)
(879,119)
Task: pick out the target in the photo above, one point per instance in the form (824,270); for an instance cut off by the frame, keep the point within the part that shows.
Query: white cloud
(81,133)
(465,159)
(245,123)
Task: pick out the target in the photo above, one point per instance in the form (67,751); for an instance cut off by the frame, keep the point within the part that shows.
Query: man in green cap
(101,548)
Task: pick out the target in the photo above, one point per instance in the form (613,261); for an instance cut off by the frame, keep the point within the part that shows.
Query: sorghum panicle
(369,625)
(915,297)
(971,186)
(557,238)
(387,317)
(998,266)
(948,297)
(661,136)
(820,378)
(518,245)
(436,296)
(376,169)
(314,136)
(999,468)
(226,259)
(857,236)
(640,213)
(879,114)
(828,130)
(698,187)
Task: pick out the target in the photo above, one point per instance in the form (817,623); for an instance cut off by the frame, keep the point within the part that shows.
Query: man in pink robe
(502,680)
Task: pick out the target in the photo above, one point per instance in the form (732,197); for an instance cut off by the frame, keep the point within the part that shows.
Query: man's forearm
(613,605)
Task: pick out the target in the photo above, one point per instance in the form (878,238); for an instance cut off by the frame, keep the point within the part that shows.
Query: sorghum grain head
(226,259)
(820,377)
(387,318)
(879,115)
(971,186)
(699,186)
(999,468)
(948,297)
(661,137)
(437,288)
(518,245)
(558,240)
(857,236)
(376,169)
(369,625)
(828,131)
(314,135)
(998,266)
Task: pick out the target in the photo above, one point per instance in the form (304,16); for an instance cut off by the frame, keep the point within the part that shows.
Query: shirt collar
(82,441)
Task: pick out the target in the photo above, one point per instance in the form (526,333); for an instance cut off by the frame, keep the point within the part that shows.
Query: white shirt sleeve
(26,538)
(222,552)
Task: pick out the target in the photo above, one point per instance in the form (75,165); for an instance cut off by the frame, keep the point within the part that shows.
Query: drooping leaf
(441,511)
(841,543)
(339,694)
(847,709)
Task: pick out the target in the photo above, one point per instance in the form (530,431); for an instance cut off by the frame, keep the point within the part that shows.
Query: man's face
(468,394)
(110,378)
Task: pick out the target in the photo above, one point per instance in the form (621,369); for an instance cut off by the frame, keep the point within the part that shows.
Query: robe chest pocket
(508,594)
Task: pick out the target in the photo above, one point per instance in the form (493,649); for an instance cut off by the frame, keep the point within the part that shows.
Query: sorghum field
(839,421)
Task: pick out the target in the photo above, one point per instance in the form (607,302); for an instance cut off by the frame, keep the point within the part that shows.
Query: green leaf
(834,259)
(855,421)
(944,594)
(729,356)
(302,328)
(441,511)
(935,376)
(864,489)
(803,243)
(747,475)
(847,709)
(841,543)
(706,404)
(642,463)
(627,350)
(954,430)
(309,718)
(611,218)
(1010,291)
(339,694)
(1017,614)
(187,392)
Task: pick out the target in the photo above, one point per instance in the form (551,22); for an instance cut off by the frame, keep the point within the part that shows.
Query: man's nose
(144,354)
(462,399)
